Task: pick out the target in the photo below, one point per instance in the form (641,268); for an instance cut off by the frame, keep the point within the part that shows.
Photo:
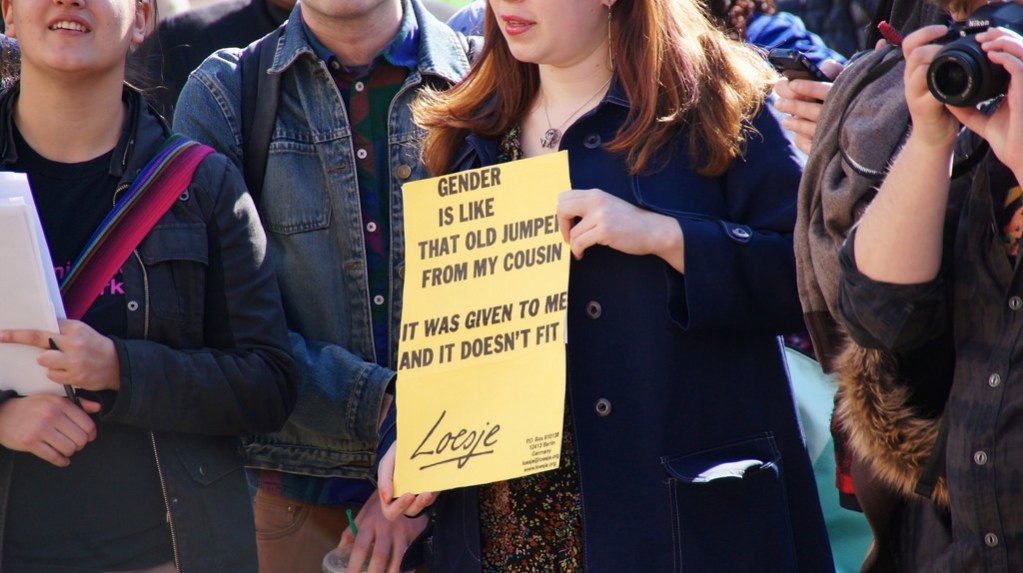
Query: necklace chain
(552,136)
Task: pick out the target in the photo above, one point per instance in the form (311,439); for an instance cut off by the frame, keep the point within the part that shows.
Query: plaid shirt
(982,288)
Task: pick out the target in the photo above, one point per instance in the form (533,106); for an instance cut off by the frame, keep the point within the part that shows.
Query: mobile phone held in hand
(795,66)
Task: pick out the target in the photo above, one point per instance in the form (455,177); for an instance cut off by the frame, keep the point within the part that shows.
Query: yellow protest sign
(481,363)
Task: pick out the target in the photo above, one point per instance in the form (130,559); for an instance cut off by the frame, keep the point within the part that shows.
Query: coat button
(740,233)
(184,196)
(592,141)
(603,407)
(991,540)
(202,470)
(133,305)
(404,172)
(980,457)
(593,309)
(1016,303)
(994,380)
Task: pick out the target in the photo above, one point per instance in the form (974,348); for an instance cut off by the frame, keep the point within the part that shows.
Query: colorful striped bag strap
(158,185)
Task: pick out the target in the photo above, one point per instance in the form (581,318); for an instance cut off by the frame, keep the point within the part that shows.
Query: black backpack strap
(260,95)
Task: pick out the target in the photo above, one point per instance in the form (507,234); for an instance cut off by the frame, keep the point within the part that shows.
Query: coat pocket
(176,257)
(295,197)
(729,510)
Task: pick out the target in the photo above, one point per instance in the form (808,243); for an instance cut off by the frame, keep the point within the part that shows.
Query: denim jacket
(310,209)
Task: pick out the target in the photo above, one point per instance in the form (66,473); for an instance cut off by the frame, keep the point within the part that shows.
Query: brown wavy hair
(734,15)
(675,66)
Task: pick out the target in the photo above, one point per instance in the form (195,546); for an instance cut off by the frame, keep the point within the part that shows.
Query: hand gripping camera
(961,74)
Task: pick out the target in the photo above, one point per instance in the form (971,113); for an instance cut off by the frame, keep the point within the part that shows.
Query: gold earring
(610,46)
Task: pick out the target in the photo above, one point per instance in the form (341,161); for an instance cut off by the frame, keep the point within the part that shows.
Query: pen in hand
(68,390)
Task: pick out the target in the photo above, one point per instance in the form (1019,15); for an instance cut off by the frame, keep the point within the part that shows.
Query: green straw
(351,522)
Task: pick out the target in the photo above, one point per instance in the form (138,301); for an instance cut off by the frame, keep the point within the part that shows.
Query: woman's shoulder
(214,174)
(767,132)
(217,182)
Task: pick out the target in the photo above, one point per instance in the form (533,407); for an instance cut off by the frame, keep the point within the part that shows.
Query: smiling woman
(184,349)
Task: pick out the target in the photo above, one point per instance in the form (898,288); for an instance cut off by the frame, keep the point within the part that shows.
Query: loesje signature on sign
(455,446)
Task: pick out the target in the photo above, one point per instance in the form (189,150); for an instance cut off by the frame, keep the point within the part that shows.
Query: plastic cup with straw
(336,560)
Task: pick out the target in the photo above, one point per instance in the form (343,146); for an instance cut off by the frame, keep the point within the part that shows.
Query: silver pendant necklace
(552,136)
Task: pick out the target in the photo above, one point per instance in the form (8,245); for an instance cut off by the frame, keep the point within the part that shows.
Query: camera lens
(953,77)
(962,75)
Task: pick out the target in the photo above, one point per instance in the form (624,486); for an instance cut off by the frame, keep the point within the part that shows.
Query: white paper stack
(29,294)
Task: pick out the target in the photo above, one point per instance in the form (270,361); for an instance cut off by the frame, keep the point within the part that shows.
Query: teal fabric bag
(814,393)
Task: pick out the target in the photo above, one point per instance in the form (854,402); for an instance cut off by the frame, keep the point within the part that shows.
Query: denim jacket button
(133,305)
(592,141)
(1016,303)
(603,407)
(202,470)
(593,309)
(404,172)
(184,196)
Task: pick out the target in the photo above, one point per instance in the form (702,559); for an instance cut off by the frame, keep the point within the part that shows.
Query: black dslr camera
(961,74)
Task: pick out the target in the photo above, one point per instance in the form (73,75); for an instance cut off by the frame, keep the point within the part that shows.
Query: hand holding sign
(408,504)
(593,217)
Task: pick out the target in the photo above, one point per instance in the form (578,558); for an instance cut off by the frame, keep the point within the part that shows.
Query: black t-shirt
(105,512)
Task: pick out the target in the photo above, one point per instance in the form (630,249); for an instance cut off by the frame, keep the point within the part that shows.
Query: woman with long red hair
(681,448)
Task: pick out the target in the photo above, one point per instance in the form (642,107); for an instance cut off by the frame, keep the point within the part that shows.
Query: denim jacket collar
(438,52)
(403,50)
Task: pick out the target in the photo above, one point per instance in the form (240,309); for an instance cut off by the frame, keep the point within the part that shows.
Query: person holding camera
(924,262)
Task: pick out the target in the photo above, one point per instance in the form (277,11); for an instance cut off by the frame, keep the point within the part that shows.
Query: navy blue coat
(670,375)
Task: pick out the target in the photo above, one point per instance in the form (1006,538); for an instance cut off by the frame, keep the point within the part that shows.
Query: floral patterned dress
(533,524)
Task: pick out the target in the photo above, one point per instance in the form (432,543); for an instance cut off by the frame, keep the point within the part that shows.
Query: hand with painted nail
(381,541)
(408,504)
(594,217)
(48,426)
(86,359)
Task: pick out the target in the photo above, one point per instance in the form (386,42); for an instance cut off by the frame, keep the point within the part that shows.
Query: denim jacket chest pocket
(175,258)
(294,198)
